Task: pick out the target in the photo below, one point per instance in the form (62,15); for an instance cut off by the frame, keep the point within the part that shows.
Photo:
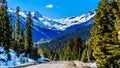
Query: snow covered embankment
(81,64)
(14,60)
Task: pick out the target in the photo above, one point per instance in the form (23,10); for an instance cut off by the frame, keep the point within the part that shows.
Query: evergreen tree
(1,23)
(103,35)
(5,31)
(84,55)
(45,52)
(71,51)
(89,57)
(20,42)
(11,31)
(17,25)
(115,9)
(16,31)
(78,47)
(36,52)
(50,54)
(28,37)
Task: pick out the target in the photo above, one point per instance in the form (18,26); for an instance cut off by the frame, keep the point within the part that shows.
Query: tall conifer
(5,35)
(16,33)
(28,37)
(104,36)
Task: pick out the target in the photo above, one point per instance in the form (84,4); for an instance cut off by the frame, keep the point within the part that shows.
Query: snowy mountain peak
(36,14)
(56,24)
(70,21)
(43,25)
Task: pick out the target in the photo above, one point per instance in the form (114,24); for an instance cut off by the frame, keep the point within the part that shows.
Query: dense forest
(105,34)
(102,47)
(73,50)
(16,38)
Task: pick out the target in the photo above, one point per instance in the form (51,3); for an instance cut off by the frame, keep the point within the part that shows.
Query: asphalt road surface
(55,64)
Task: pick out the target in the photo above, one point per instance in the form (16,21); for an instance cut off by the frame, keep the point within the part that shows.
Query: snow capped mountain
(70,21)
(47,28)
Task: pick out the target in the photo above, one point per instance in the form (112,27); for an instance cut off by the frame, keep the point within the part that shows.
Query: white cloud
(49,6)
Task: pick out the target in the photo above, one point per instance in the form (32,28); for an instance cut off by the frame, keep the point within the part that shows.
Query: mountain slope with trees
(47,28)
(59,42)
(16,39)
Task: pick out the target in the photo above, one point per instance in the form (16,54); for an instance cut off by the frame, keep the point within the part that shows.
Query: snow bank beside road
(14,60)
(80,64)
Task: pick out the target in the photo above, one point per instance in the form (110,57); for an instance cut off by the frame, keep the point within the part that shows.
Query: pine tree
(116,14)
(90,57)
(84,55)
(103,35)
(45,52)
(16,31)
(78,47)
(50,54)
(36,52)
(20,41)
(68,50)
(70,45)
(115,9)
(5,35)
(28,37)
(17,25)
(11,31)
(1,22)
(72,50)
(2,18)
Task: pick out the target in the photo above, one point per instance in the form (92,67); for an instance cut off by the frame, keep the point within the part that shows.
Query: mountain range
(45,28)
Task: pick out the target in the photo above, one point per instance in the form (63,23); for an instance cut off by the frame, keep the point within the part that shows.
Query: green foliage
(84,56)
(71,51)
(45,53)
(89,55)
(28,37)
(5,27)
(104,34)
(20,42)
(40,52)
(17,25)
(18,35)
(17,41)
(59,42)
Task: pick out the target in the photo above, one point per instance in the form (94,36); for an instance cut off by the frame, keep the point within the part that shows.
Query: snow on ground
(14,61)
(92,65)
(21,60)
(81,64)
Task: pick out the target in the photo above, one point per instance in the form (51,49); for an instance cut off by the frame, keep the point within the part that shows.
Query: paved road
(58,64)
(54,64)
(63,64)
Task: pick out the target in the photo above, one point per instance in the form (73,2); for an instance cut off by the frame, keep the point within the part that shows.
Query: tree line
(75,49)
(16,38)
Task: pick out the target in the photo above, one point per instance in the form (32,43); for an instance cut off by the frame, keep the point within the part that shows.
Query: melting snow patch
(41,19)
(92,65)
(14,61)
(1,49)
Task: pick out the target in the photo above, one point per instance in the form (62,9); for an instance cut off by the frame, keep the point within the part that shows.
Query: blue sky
(55,8)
